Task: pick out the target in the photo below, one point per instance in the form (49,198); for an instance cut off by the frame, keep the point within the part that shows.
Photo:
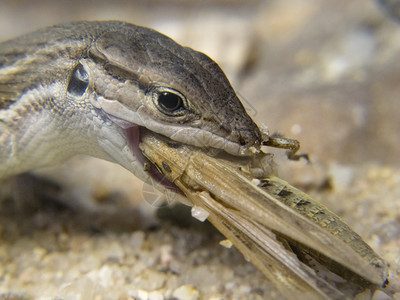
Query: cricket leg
(291,145)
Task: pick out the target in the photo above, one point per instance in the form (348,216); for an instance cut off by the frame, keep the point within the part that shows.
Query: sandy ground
(326,73)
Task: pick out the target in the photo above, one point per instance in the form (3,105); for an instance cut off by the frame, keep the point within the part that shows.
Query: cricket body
(99,88)
(280,229)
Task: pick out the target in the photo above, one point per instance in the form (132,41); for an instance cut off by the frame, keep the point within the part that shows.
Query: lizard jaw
(120,144)
(133,138)
(125,118)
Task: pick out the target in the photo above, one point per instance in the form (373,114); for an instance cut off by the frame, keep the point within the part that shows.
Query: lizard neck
(33,134)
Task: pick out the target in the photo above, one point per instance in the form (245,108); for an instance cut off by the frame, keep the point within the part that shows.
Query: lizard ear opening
(78,81)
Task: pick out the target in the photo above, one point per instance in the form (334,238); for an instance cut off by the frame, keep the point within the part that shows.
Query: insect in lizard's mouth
(133,135)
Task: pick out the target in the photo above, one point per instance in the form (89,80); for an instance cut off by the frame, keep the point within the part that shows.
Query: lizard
(91,87)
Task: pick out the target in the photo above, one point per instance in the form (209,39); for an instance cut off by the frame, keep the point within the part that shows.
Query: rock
(186,292)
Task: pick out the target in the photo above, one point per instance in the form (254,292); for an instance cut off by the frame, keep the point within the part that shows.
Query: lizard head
(141,77)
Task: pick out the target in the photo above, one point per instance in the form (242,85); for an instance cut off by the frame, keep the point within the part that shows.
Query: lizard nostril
(242,140)
(248,137)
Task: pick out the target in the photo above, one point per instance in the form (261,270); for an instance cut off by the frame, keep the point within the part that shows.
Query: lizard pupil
(170,102)
(79,81)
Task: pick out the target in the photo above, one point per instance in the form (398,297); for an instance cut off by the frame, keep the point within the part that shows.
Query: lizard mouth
(133,136)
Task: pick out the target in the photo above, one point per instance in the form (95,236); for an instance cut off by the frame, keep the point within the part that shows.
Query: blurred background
(324,72)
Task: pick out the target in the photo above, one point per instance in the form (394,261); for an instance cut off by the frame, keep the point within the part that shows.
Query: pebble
(186,292)
(115,252)
(199,213)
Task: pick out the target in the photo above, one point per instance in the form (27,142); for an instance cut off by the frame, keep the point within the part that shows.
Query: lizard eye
(79,81)
(169,102)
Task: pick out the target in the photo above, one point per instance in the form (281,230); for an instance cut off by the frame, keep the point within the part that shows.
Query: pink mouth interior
(133,136)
